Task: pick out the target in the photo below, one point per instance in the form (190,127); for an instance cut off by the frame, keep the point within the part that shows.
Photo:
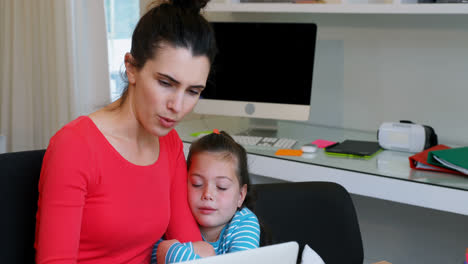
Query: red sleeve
(62,191)
(182,225)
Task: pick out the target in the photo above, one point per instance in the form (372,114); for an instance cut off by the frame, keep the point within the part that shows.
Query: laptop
(284,253)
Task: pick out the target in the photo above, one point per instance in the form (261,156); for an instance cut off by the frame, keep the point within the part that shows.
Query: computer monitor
(262,71)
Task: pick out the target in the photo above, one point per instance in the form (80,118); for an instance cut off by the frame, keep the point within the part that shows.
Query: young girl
(218,195)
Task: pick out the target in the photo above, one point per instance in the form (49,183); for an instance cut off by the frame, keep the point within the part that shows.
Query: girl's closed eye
(222,188)
(196,183)
(223,184)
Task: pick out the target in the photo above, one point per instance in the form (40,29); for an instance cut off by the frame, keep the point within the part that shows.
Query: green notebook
(454,158)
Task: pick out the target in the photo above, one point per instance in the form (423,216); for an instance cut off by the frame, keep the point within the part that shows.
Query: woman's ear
(243,193)
(130,68)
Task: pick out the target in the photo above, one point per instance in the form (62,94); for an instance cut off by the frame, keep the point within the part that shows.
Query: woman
(114,182)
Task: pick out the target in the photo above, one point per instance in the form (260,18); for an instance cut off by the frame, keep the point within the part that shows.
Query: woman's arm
(62,191)
(182,225)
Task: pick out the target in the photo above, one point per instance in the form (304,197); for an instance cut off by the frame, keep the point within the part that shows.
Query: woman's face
(166,88)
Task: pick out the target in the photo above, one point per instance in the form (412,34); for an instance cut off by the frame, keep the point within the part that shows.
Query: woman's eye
(194,92)
(164,83)
(222,188)
(196,185)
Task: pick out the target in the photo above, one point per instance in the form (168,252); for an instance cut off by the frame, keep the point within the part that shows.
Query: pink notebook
(322,143)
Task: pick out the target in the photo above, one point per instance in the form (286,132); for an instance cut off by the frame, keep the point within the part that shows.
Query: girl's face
(214,193)
(166,88)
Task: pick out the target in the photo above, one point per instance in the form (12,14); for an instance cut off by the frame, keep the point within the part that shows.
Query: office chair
(320,214)
(19,178)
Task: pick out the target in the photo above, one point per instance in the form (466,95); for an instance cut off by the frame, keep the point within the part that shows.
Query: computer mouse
(309,148)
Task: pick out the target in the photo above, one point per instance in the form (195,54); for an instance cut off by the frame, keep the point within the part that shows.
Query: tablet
(284,253)
(354,148)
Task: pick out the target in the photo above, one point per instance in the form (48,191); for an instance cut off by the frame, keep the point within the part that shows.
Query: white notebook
(284,253)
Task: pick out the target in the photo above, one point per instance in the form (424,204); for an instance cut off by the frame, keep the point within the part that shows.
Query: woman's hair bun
(193,5)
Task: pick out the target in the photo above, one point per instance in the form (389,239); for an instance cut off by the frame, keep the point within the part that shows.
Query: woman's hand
(203,249)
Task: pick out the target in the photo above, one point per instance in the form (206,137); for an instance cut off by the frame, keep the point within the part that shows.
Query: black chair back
(320,214)
(19,178)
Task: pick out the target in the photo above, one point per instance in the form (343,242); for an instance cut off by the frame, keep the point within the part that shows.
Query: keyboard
(265,142)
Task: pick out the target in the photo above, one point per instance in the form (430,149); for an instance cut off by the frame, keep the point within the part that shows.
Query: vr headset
(406,136)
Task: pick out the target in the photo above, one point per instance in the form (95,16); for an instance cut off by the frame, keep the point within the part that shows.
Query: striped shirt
(241,233)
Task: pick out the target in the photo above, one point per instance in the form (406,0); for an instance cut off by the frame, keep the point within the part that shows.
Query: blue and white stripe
(241,233)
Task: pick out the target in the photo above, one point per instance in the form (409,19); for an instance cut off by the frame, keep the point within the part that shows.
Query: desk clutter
(272,143)
(406,136)
(354,149)
(409,137)
(441,158)
(402,137)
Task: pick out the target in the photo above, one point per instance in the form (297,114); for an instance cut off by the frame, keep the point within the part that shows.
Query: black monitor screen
(263,62)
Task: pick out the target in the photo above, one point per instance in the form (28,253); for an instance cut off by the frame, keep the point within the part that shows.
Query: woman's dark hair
(173,22)
(223,143)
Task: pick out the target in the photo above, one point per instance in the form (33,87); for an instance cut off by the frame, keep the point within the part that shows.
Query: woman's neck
(125,121)
(119,121)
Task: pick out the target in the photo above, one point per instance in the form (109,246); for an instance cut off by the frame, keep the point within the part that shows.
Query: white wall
(376,68)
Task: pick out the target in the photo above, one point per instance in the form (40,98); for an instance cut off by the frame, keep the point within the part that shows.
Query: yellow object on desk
(289,152)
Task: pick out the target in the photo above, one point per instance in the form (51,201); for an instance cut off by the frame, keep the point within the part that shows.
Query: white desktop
(386,176)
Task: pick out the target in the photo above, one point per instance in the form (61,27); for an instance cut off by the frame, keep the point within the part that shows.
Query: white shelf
(341,8)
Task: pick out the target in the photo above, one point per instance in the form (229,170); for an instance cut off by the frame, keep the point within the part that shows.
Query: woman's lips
(167,122)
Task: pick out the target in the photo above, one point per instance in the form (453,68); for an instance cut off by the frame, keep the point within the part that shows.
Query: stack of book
(442,158)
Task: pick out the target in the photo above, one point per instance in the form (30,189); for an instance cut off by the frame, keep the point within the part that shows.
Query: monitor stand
(260,127)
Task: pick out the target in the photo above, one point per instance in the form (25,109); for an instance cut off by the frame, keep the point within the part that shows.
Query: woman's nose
(176,101)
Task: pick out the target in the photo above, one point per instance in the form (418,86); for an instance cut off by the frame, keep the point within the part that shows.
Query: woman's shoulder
(71,146)
(172,138)
(77,130)
(172,143)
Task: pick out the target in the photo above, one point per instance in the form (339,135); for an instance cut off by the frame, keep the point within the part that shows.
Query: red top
(97,207)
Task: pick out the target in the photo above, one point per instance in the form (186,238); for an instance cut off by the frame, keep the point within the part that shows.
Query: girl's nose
(207,194)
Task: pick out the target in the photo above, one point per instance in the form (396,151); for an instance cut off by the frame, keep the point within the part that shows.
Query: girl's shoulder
(245,212)
(243,215)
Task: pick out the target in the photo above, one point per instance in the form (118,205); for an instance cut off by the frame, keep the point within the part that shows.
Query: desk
(385,176)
